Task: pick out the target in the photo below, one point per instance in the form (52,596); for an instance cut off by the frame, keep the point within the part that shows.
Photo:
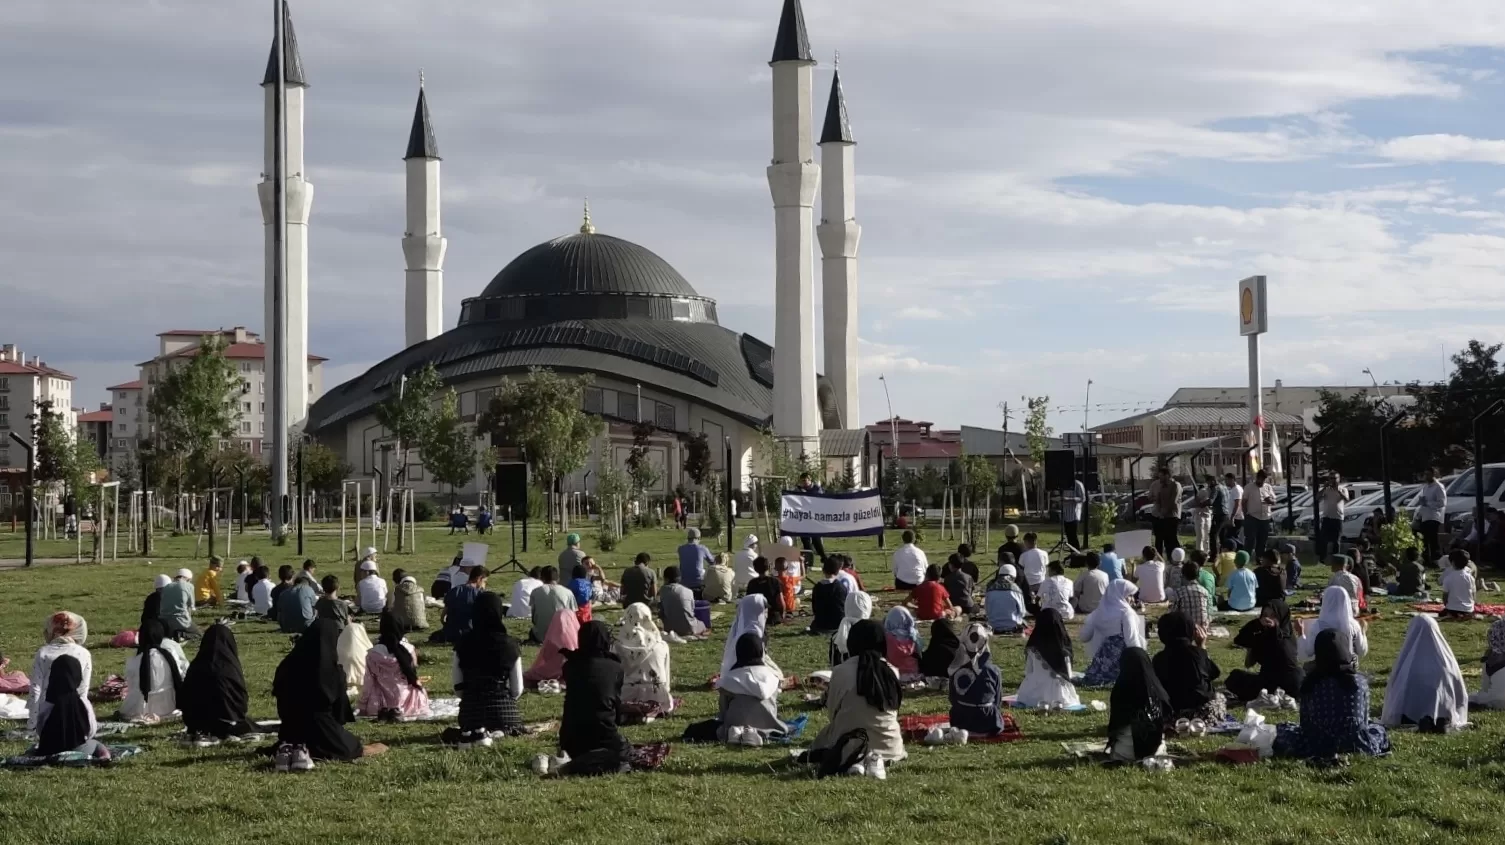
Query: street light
(1385,460)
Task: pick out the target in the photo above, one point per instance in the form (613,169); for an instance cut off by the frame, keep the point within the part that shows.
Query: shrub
(1395,538)
(423,510)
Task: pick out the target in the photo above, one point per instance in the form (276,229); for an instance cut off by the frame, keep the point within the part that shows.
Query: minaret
(838,233)
(423,243)
(300,197)
(793,179)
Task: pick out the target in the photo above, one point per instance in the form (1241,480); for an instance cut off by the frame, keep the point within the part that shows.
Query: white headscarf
(351,650)
(1337,615)
(1115,617)
(975,647)
(645,658)
(65,627)
(859,606)
(1425,681)
(752,615)
(637,628)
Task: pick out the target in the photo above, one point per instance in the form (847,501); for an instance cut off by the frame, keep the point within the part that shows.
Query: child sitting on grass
(789,585)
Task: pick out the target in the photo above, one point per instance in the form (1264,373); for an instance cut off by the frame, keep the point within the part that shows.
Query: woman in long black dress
(488,674)
(1186,672)
(941,651)
(1270,643)
(1137,710)
(592,698)
(311,698)
(215,701)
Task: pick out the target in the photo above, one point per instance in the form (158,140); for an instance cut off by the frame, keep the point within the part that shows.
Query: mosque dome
(588,263)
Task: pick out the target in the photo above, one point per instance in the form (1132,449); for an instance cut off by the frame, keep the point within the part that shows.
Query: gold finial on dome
(587,227)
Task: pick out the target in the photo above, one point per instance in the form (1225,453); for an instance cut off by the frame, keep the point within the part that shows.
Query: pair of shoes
(301,760)
(875,767)
(936,735)
(540,764)
(734,734)
(478,738)
(200,741)
(956,736)
(752,738)
(283,757)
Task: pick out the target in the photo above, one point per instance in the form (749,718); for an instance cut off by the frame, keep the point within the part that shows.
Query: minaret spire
(587,227)
(793,179)
(839,234)
(293,64)
(423,243)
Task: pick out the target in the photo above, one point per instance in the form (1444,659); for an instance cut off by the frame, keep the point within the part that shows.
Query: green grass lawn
(1431,789)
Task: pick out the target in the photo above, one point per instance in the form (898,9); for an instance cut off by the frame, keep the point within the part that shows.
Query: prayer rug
(796,727)
(1012,702)
(1479,609)
(71,758)
(648,757)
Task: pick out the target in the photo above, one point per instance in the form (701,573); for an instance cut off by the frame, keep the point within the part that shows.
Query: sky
(1050,193)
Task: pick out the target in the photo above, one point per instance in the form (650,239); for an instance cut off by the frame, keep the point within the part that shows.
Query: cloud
(918,312)
(1435,148)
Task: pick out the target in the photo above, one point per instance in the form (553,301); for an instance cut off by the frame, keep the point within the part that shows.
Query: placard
(475,553)
(855,514)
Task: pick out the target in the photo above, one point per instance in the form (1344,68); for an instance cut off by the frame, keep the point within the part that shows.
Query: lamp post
(31,495)
(893,434)
(1385,459)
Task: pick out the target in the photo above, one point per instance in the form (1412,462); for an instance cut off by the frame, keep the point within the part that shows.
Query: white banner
(831,514)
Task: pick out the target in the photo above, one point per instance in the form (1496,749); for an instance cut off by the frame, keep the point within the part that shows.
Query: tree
(641,473)
(1037,431)
(698,458)
(1351,445)
(409,415)
(1444,413)
(53,444)
(449,451)
(192,410)
(323,469)
(893,487)
(543,414)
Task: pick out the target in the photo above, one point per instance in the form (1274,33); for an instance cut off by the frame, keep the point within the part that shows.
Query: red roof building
(919,442)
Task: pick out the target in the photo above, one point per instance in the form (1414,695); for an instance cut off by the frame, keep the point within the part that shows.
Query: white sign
(475,553)
(1253,316)
(831,514)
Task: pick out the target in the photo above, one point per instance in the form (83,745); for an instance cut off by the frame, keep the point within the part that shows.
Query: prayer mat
(113,689)
(642,712)
(1010,733)
(1479,609)
(113,728)
(550,726)
(1089,750)
(648,757)
(1238,755)
(1012,702)
(914,728)
(13,708)
(440,709)
(72,758)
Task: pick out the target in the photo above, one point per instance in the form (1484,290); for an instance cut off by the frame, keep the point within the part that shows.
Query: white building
(24,383)
(128,414)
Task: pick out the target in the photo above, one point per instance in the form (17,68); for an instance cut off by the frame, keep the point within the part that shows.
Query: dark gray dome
(588,263)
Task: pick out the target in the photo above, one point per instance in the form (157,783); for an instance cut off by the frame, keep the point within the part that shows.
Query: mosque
(591,303)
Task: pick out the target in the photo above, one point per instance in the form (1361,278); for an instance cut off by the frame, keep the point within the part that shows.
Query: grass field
(1432,789)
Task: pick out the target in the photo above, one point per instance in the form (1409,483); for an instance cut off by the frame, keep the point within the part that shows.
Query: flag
(1275,464)
(1251,448)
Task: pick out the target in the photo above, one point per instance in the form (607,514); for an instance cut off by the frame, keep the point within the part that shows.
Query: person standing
(1033,561)
(1256,505)
(572,556)
(809,543)
(1430,511)
(693,560)
(1334,503)
(1071,509)
(1232,497)
(1165,498)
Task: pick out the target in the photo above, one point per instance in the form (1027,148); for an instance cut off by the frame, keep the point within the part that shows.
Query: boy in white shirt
(1055,592)
(1090,585)
(1150,576)
(909,564)
(1458,588)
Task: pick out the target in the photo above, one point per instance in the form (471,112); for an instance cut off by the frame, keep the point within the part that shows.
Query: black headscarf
(214,690)
(1333,659)
(592,698)
(310,676)
(595,641)
(941,650)
(390,636)
(487,650)
(1051,641)
(1183,668)
(749,650)
(1138,701)
(876,681)
(1272,647)
(67,725)
(148,640)
(151,609)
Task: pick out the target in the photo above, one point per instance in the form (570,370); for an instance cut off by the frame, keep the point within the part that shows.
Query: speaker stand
(512,563)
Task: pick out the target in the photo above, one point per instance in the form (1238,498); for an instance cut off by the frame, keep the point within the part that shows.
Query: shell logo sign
(1253,317)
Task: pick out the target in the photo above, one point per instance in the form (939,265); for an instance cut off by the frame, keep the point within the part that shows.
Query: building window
(609,403)
(4,402)
(245,445)
(223,445)
(246,406)
(415,471)
(663,416)
(468,404)
(263,407)
(245,427)
(681,309)
(592,400)
(4,420)
(4,384)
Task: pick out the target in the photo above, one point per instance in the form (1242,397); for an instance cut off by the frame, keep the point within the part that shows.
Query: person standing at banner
(1071,510)
(807,487)
(1231,495)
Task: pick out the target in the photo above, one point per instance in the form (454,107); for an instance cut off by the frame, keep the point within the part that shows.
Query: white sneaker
(556,763)
(540,764)
(302,761)
(957,736)
(734,735)
(876,767)
(484,741)
(752,738)
(936,736)
(856,771)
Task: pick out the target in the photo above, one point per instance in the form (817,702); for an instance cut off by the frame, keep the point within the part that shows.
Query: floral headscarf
(65,627)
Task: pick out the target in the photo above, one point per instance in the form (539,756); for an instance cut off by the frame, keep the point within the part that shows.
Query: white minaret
(423,243)
(300,197)
(793,179)
(838,233)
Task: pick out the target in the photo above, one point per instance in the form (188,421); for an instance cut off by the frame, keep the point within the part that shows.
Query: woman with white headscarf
(645,660)
(1425,686)
(859,606)
(1004,602)
(752,617)
(63,633)
(1491,693)
(351,650)
(1114,626)
(1336,615)
(742,567)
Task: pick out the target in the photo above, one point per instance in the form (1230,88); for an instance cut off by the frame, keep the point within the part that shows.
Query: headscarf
(149,640)
(351,646)
(751,675)
(941,654)
(1278,610)
(1333,659)
(487,650)
(67,725)
(876,681)
(900,624)
(1336,614)
(1178,555)
(638,630)
(151,609)
(560,641)
(1004,580)
(1114,615)
(1184,670)
(593,640)
(1425,683)
(859,606)
(389,634)
(214,690)
(65,627)
(752,540)
(1494,659)
(974,650)
(749,651)
(752,616)
(1051,642)
(1137,694)
(309,679)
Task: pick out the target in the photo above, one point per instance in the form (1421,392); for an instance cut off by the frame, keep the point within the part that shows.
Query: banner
(855,514)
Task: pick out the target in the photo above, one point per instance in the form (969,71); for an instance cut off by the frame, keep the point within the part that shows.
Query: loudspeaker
(1060,467)
(512,488)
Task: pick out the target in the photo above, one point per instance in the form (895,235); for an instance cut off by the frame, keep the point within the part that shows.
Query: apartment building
(94,427)
(24,382)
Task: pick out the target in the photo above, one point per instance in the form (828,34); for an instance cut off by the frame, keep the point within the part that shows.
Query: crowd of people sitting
(335,672)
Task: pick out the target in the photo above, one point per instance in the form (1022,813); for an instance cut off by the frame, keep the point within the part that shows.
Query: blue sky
(1050,193)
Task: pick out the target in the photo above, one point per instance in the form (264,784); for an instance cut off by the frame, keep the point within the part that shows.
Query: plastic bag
(1256,734)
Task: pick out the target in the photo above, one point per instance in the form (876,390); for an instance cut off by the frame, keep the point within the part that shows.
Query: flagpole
(278,330)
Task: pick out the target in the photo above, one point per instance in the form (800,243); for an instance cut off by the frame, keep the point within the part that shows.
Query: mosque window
(593,400)
(663,416)
(681,309)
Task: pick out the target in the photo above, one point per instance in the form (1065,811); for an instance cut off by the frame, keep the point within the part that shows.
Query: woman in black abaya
(214,700)
(311,698)
(592,699)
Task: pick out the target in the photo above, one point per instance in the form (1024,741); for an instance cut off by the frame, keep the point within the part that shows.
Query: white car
(1461,490)
(1357,490)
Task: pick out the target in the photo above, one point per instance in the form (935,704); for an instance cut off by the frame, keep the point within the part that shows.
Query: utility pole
(1003,475)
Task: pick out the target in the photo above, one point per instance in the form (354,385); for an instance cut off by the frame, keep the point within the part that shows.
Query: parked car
(1357,490)
(1461,490)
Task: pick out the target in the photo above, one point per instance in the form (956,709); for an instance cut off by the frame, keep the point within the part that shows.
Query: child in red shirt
(930,599)
(790,583)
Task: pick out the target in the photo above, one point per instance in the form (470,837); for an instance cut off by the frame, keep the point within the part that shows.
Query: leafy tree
(323,468)
(1037,431)
(893,486)
(53,444)
(641,472)
(192,410)
(449,452)
(981,478)
(543,414)
(698,458)
(925,487)
(1444,413)
(409,414)
(1351,445)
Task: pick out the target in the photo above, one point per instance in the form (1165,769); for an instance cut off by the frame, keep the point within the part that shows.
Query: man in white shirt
(1090,585)
(1033,562)
(1334,503)
(1231,497)
(1458,587)
(909,564)
(522,596)
(1150,576)
(1256,504)
(1431,509)
(1055,592)
(371,589)
(1071,508)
